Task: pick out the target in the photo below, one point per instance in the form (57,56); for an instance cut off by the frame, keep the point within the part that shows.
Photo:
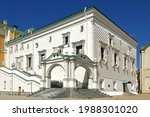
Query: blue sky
(131,15)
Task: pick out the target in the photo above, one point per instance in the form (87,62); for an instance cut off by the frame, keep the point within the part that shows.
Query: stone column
(95,85)
(43,84)
(65,80)
(72,75)
(90,83)
(48,82)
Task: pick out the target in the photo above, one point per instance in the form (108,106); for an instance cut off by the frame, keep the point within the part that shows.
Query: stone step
(70,93)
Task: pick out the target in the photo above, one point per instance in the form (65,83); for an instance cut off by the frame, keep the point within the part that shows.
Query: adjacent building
(145,69)
(12,33)
(84,50)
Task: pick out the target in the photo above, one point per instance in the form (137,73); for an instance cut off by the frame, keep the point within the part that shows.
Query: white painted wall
(101,35)
(94,31)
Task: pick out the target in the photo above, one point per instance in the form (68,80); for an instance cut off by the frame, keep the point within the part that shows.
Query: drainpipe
(32,51)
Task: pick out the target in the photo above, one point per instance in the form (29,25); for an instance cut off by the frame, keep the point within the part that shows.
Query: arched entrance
(82,76)
(55,76)
(70,69)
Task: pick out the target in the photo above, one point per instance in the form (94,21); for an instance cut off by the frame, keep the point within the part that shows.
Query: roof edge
(116,24)
(68,17)
(144,47)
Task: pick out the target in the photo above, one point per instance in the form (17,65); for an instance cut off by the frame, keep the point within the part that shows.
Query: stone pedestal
(69,83)
(90,83)
(48,82)
(95,85)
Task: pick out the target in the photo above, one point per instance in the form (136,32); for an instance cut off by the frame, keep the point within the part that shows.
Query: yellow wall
(13,35)
(1,26)
(1,47)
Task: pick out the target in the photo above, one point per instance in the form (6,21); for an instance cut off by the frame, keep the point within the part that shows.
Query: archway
(55,76)
(82,76)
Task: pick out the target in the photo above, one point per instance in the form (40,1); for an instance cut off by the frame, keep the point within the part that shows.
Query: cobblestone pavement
(122,97)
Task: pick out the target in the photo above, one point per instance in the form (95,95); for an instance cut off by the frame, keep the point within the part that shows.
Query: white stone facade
(108,62)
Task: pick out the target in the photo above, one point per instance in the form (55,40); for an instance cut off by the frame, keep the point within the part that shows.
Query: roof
(62,20)
(144,47)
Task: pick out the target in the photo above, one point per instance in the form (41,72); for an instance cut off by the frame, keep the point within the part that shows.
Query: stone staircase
(69,93)
(49,93)
(88,93)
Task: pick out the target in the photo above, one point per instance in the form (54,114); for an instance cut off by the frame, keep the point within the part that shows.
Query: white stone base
(90,84)
(69,83)
(95,85)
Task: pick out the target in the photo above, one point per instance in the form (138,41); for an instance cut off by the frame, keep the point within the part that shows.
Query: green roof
(60,21)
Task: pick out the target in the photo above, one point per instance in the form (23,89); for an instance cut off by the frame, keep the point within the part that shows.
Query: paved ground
(123,97)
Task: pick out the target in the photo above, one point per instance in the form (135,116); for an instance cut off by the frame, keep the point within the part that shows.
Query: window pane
(66,40)
(102,53)
(115,58)
(78,48)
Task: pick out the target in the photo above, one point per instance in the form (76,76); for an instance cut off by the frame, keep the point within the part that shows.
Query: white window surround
(42,56)
(66,39)
(29,61)
(129,50)
(19,63)
(133,65)
(111,40)
(125,62)
(78,43)
(115,58)
(21,46)
(103,56)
